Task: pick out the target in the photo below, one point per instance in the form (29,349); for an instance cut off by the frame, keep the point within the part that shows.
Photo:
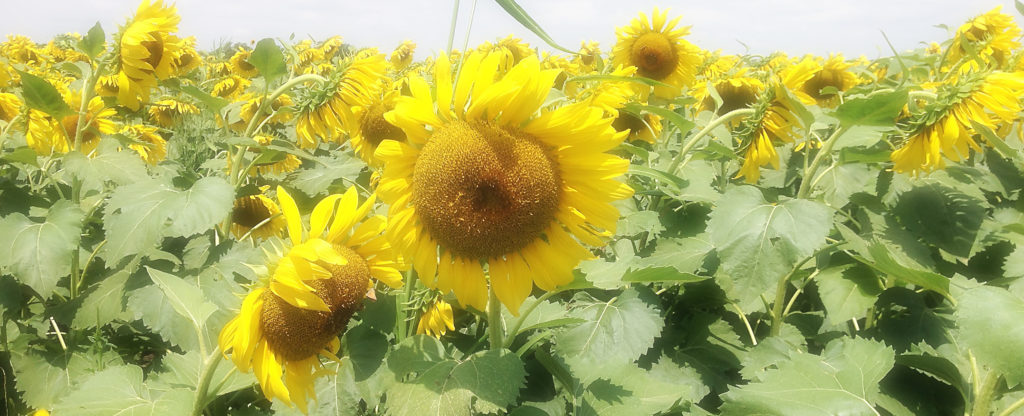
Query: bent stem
(826,149)
(679,159)
(494,324)
(209,368)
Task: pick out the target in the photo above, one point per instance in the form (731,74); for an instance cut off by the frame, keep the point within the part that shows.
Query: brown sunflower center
(823,79)
(296,334)
(654,55)
(376,129)
(733,97)
(626,121)
(250,212)
(156,51)
(244,64)
(483,190)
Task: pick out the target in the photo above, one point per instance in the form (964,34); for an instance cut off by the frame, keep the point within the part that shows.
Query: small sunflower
(736,92)
(230,87)
(809,77)
(151,147)
(46,135)
(188,59)
(289,162)
(646,128)
(258,216)
(371,127)
(659,52)
(106,86)
(146,51)
(166,112)
(326,111)
(588,59)
(486,182)
(773,122)
(240,65)
(21,49)
(10,106)
(285,325)
(437,319)
(946,129)
(991,37)
(401,57)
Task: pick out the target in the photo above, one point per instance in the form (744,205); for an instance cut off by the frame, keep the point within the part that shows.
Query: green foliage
(268,59)
(40,95)
(991,325)
(93,41)
(36,253)
(121,391)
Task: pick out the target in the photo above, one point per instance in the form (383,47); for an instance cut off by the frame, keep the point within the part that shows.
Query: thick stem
(514,329)
(401,307)
(984,398)
(88,89)
(826,149)
(494,324)
(209,368)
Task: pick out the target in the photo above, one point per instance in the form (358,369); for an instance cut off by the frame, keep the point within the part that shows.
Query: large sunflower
(485,183)
(47,135)
(256,215)
(659,52)
(314,289)
(325,112)
(146,51)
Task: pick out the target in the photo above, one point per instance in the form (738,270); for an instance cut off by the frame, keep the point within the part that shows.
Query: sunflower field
(646,228)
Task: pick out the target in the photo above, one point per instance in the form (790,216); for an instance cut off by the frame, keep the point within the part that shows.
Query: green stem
(3,133)
(209,368)
(780,290)
(451,30)
(678,161)
(494,324)
(401,311)
(984,399)
(88,89)
(746,323)
(922,95)
(826,149)
(514,329)
(1009,410)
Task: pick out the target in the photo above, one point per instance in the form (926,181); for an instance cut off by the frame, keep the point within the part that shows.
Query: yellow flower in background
(151,147)
(437,319)
(258,216)
(773,123)
(10,106)
(485,182)
(808,78)
(588,59)
(736,92)
(188,59)
(371,128)
(240,65)
(326,112)
(21,49)
(331,47)
(278,112)
(511,50)
(991,36)
(607,95)
(289,162)
(146,51)
(994,100)
(106,86)
(284,326)
(659,52)
(716,66)
(166,112)
(46,135)
(933,48)
(646,128)
(230,87)
(401,57)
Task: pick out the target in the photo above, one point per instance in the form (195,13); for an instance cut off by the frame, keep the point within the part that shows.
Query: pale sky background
(793,26)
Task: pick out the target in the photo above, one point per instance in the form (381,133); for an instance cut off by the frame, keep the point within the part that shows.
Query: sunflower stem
(514,329)
(209,368)
(680,159)
(88,89)
(402,318)
(826,149)
(451,30)
(984,399)
(494,324)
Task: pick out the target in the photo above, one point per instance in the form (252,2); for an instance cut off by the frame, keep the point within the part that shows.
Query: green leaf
(619,78)
(1020,6)
(212,103)
(485,382)
(938,367)
(760,242)
(184,370)
(991,323)
(681,122)
(93,41)
(614,332)
(150,305)
(366,348)
(268,59)
(839,182)
(942,216)
(843,380)
(22,155)
(847,292)
(317,181)
(186,299)
(415,354)
(877,110)
(38,254)
(39,94)
(684,254)
(882,260)
(524,18)
(200,208)
(108,164)
(627,390)
(104,303)
(120,391)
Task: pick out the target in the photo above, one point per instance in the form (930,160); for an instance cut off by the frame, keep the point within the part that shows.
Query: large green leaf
(200,208)
(942,216)
(843,380)
(847,292)
(882,259)
(103,303)
(40,95)
(759,242)
(38,254)
(318,180)
(876,110)
(991,324)
(485,382)
(120,391)
(617,331)
(268,59)
(627,390)
(184,370)
(108,164)
(155,310)
(185,298)
(93,41)
(44,378)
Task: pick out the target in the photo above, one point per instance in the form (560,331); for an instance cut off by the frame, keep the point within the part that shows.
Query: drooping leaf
(942,216)
(104,303)
(107,164)
(317,181)
(154,309)
(847,292)
(40,95)
(38,254)
(883,261)
(187,300)
(625,390)
(268,59)
(524,18)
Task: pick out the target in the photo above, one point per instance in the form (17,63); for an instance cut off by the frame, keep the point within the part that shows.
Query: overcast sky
(792,26)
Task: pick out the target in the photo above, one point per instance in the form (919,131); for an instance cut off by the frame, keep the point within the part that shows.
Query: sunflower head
(10,106)
(834,74)
(146,51)
(991,36)
(166,112)
(658,51)
(371,128)
(437,319)
(240,65)
(488,183)
(645,128)
(21,49)
(149,144)
(774,122)
(325,111)
(401,57)
(230,87)
(735,93)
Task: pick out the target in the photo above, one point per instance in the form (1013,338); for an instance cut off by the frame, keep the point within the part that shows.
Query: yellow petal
(291,215)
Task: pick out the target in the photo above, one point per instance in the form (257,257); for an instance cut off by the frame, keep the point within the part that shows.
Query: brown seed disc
(376,129)
(654,56)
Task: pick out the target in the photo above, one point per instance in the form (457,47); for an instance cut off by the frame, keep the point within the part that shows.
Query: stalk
(826,149)
(494,327)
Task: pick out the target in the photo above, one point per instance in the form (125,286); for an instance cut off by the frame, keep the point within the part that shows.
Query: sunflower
(437,319)
(485,180)
(401,57)
(736,92)
(285,325)
(608,95)
(279,113)
(646,128)
(992,37)
(21,49)
(188,60)
(325,112)
(258,216)
(240,65)
(10,106)
(230,87)
(146,51)
(106,86)
(588,59)
(808,78)
(151,147)
(773,121)
(165,112)
(289,163)
(659,52)
(946,129)
(371,128)
(46,135)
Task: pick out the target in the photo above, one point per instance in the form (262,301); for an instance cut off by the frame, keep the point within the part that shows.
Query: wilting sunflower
(991,37)
(188,59)
(146,51)
(486,182)
(808,78)
(437,319)
(151,147)
(21,49)
(10,106)
(258,216)
(772,123)
(326,111)
(659,52)
(240,65)
(313,290)
(371,127)
(106,86)
(401,57)
(736,92)
(46,135)
(166,112)
(945,128)
(230,87)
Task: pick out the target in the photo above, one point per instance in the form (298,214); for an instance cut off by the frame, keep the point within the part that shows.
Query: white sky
(793,26)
